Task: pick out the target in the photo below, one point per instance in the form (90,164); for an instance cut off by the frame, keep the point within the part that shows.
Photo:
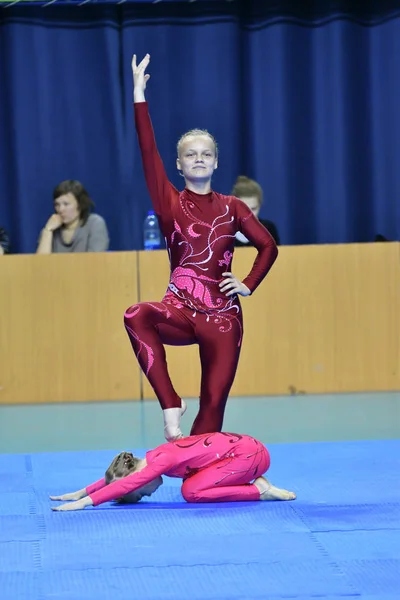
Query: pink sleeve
(158,465)
(160,188)
(251,227)
(97,485)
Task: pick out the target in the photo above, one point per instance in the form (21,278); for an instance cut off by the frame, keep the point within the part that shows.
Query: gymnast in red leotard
(215,467)
(201,305)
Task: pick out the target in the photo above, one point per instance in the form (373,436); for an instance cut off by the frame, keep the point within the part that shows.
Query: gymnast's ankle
(172,419)
(172,434)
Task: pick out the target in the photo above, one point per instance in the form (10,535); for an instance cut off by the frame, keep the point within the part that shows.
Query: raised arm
(157,181)
(45,245)
(267,253)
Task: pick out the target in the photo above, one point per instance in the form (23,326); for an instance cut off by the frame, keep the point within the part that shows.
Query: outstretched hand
(232,285)
(77,505)
(140,77)
(80,501)
(66,497)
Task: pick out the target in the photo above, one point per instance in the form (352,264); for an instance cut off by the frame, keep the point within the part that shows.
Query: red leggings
(229,479)
(150,325)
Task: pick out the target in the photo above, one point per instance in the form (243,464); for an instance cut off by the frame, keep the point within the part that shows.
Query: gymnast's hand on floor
(71,496)
(234,286)
(77,505)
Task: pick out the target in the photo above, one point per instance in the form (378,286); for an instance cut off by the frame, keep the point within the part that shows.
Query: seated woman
(215,467)
(250,192)
(73,228)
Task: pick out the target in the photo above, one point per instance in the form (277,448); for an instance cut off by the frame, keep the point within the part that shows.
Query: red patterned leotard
(199,230)
(216,467)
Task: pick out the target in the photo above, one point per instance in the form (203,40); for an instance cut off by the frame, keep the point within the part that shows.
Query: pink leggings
(150,325)
(229,479)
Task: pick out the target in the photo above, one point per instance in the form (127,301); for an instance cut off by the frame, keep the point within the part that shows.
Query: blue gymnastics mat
(340,538)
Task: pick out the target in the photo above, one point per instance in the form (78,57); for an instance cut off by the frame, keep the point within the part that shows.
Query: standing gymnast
(216,467)
(201,305)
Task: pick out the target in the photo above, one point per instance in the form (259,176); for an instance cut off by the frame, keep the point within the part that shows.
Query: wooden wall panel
(62,336)
(326,319)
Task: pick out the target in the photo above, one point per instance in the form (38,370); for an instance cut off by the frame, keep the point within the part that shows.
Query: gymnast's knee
(189,491)
(135,314)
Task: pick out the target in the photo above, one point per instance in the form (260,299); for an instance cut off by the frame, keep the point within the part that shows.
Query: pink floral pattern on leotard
(186,279)
(226,260)
(189,281)
(142,347)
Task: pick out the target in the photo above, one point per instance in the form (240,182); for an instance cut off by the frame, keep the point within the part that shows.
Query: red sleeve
(260,237)
(97,485)
(160,463)
(159,186)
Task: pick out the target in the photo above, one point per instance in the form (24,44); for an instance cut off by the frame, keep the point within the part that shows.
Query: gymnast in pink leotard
(201,305)
(216,467)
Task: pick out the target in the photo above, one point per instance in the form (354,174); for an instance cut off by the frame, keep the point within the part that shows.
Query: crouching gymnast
(215,467)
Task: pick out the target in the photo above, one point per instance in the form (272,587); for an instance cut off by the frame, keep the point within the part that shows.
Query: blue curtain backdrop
(303,99)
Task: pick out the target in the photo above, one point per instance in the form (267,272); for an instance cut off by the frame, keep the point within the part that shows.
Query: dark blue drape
(305,101)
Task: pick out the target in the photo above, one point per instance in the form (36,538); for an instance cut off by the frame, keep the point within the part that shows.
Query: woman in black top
(4,241)
(250,192)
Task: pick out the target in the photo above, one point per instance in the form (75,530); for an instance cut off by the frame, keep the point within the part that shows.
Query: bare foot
(270,492)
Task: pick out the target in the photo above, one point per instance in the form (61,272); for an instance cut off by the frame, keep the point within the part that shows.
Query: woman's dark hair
(122,465)
(71,186)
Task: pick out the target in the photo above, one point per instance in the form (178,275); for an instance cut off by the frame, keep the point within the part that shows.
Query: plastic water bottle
(151,232)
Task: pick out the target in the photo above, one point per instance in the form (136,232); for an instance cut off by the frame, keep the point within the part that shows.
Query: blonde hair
(195,133)
(122,465)
(245,187)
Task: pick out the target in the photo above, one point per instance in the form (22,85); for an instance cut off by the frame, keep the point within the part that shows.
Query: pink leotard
(215,467)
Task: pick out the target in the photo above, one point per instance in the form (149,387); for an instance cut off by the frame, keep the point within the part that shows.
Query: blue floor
(339,539)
